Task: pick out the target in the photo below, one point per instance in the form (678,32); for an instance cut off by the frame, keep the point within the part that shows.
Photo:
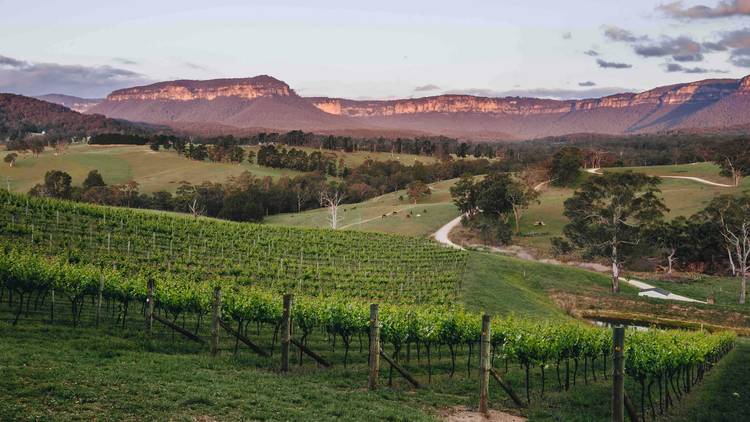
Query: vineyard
(104,260)
(393,269)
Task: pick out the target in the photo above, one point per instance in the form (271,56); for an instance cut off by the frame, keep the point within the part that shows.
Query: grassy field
(421,219)
(118,164)
(708,171)
(682,197)
(355,158)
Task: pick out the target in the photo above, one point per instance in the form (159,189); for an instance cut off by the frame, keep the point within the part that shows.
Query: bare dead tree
(737,238)
(332,198)
(194,206)
(734,216)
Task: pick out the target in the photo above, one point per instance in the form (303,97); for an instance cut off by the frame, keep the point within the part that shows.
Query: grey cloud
(714,46)
(193,66)
(682,49)
(592,53)
(428,87)
(740,57)
(612,65)
(587,83)
(676,67)
(11,62)
(737,42)
(125,61)
(31,78)
(615,33)
(739,38)
(551,93)
(724,8)
(567,35)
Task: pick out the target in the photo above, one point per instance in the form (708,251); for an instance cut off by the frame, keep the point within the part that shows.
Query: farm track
(692,178)
(443,236)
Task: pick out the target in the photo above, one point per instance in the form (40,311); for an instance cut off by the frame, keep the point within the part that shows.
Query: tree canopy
(607,215)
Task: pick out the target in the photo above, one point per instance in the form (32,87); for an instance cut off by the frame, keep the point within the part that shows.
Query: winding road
(694,179)
(645,289)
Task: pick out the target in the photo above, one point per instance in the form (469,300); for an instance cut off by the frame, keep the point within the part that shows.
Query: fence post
(215,315)
(372,383)
(618,374)
(52,308)
(286,334)
(99,300)
(484,364)
(150,306)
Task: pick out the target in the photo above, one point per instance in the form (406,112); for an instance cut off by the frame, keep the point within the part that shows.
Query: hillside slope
(20,115)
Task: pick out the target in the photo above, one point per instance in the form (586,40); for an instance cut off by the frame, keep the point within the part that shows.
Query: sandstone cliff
(266,102)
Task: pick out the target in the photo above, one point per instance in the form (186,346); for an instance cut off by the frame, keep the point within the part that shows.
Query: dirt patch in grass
(463,414)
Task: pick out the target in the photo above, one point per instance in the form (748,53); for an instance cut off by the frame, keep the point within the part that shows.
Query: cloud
(676,67)
(587,83)
(592,53)
(682,49)
(614,33)
(612,65)
(32,78)
(740,57)
(12,63)
(550,93)
(737,42)
(739,38)
(193,66)
(125,61)
(428,87)
(724,8)
(567,35)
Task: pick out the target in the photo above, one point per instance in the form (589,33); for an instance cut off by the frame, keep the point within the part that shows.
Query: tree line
(250,198)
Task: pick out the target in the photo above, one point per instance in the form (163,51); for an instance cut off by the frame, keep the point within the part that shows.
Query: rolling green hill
(389,213)
(153,171)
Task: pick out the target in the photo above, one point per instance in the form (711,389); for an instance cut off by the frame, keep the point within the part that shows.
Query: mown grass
(708,171)
(725,393)
(55,372)
(682,197)
(724,290)
(377,214)
(119,164)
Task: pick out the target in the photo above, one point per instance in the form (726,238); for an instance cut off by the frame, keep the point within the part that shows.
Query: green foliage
(608,213)
(565,167)
(282,259)
(733,157)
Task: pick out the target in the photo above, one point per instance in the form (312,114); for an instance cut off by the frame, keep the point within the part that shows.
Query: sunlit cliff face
(205,90)
(702,91)
(745,84)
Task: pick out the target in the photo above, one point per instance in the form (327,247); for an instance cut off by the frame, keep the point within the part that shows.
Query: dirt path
(462,414)
(645,289)
(442,234)
(694,179)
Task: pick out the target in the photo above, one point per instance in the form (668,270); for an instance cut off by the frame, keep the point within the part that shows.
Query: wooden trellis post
(374,348)
(149,307)
(286,332)
(618,374)
(215,314)
(484,364)
(99,300)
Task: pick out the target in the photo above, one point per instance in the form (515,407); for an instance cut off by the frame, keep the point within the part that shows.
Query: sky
(375,49)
